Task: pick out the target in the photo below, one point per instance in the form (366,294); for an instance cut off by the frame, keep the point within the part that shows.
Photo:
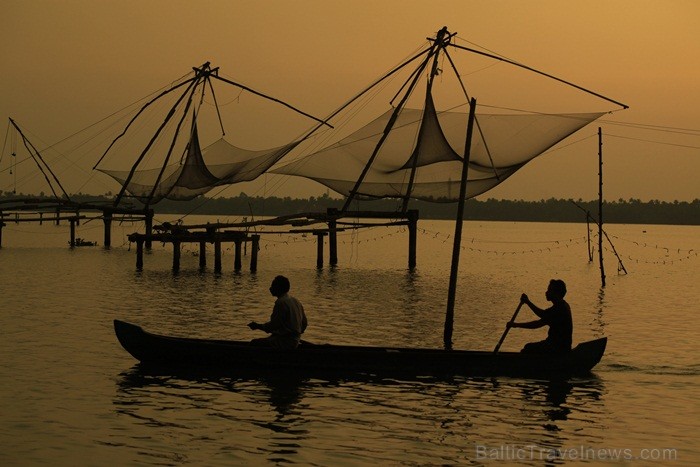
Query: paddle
(505,333)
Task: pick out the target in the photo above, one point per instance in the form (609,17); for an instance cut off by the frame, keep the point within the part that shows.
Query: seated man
(557,317)
(287,322)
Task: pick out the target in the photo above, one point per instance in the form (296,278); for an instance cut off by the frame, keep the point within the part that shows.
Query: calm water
(71,395)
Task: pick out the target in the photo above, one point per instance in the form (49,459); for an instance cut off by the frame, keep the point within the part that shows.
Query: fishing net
(220,163)
(431,144)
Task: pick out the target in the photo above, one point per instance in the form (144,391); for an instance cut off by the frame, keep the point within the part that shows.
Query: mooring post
(149,228)
(237,256)
(217,255)
(58,216)
(72,233)
(332,214)
(412,215)
(202,255)
(176,255)
(2,224)
(139,254)
(107,218)
(254,252)
(41,218)
(319,249)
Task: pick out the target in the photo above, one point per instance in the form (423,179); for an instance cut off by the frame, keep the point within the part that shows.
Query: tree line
(632,211)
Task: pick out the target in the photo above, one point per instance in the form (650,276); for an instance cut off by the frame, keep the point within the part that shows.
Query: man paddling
(287,322)
(557,317)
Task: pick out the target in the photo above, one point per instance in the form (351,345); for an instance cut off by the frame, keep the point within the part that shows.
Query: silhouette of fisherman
(287,322)
(557,317)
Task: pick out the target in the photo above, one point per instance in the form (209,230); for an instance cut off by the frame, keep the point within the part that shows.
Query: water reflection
(598,321)
(282,391)
(545,414)
(281,415)
(217,408)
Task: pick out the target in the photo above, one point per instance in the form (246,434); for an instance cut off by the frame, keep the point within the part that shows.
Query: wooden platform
(239,234)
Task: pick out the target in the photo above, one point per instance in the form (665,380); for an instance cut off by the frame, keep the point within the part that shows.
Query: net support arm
(32,150)
(569,83)
(153,139)
(246,88)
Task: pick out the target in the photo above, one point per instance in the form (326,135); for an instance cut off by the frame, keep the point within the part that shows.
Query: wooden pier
(37,210)
(239,234)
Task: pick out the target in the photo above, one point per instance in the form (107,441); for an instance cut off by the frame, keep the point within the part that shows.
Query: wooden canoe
(181,352)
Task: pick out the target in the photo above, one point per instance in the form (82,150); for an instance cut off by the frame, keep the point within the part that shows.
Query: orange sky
(67,64)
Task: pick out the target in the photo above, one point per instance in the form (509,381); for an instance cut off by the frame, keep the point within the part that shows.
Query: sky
(67,64)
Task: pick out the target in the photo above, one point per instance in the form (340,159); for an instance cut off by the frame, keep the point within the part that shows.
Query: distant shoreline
(631,211)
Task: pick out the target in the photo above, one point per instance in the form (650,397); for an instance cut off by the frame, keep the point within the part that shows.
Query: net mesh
(433,142)
(220,163)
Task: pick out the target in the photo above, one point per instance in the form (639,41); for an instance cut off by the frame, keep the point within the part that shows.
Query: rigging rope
(655,142)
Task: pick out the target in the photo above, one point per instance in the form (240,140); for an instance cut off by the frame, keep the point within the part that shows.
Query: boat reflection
(282,390)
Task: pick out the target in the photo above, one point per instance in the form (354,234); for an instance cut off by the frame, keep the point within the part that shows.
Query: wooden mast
(30,147)
(192,83)
(387,130)
(174,139)
(449,315)
(439,45)
(600,206)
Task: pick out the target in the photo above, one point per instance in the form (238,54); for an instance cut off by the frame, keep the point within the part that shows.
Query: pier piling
(139,255)
(254,253)
(108,229)
(319,249)
(217,255)
(202,255)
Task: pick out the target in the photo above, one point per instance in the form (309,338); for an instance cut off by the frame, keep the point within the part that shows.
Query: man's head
(556,290)
(280,286)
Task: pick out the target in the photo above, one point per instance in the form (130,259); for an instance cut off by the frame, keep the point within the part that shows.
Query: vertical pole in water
(202,255)
(237,256)
(449,316)
(72,233)
(176,255)
(254,252)
(332,236)
(149,228)
(139,254)
(600,206)
(588,230)
(2,224)
(319,249)
(107,219)
(217,255)
(412,237)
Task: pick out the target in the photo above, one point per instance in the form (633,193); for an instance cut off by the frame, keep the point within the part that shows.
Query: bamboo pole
(412,238)
(237,255)
(588,231)
(176,256)
(202,255)
(319,249)
(72,233)
(600,206)
(217,255)
(139,255)
(449,315)
(332,236)
(107,219)
(254,252)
